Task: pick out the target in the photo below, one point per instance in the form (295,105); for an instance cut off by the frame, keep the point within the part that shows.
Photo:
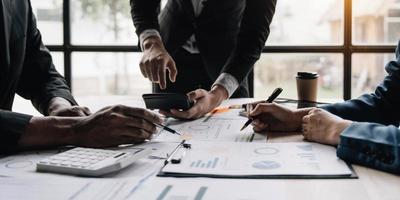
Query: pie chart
(266,164)
(266,151)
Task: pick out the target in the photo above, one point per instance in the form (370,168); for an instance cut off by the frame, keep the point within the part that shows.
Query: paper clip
(171,158)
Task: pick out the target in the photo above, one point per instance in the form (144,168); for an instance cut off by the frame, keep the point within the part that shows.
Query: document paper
(213,127)
(67,188)
(206,188)
(257,159)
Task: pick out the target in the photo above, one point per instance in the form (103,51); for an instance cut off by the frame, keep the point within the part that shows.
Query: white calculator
(91,162)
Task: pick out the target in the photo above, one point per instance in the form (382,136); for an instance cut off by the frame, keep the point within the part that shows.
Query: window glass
(95,22)
(280,70)
(100,74)
(307,22)
(368,71)
(58,60)
(49,20)
(376,22)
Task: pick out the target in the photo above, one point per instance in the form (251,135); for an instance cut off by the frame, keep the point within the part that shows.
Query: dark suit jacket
(26,68)
(230,33)
(374,139)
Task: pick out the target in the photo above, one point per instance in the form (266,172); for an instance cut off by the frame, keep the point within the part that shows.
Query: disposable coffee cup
(307,87)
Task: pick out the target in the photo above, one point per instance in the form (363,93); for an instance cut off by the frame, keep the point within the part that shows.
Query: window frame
(347,48)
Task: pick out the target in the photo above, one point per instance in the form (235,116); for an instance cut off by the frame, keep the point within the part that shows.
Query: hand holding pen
(166,128)
(270,99)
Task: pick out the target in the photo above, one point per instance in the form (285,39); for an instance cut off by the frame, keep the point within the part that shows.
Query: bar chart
(168,193)
(205,164)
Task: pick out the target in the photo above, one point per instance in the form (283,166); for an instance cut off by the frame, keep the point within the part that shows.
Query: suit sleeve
(373,145)
(145,15)
(253,34)
(383,106)
(40,81)
(12,125)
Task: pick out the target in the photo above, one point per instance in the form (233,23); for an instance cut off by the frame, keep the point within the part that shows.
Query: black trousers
(192,75)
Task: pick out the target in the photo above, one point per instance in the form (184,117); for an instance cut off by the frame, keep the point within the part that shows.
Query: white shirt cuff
(227,81)
(146,34)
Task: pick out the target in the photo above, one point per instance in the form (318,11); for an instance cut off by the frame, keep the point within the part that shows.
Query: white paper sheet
(203,188)
(241,159)
(223,126)
(24,163)
(67,188)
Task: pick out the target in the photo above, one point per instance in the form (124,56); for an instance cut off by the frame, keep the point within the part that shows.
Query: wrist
(57,103)
(298,117)
(49,132)
(342,125)
(152,42)
(66,125)
(220,92)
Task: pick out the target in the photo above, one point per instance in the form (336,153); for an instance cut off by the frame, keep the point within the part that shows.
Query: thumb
(256,111)
(172,70)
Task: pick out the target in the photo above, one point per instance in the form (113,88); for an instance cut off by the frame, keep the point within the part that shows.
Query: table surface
(371,184)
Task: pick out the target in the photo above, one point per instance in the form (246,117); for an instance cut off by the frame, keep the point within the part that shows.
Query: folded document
(258,160)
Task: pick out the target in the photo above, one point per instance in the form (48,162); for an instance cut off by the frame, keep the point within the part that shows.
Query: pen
(168,129)
(270,99)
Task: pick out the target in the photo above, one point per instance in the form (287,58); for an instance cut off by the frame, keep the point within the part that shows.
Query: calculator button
(66,162)
(55,162)
(58,158)
(75,164)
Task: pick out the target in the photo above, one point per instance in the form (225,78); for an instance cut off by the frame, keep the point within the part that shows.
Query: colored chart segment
(266,165)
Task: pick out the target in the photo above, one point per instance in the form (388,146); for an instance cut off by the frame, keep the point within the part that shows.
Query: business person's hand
(111,126)
(274,117)
(61,107)
(323,127)
(156,61)
(205,101)
(115,125)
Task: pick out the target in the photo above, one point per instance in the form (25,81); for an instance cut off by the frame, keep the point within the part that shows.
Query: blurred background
(102,57)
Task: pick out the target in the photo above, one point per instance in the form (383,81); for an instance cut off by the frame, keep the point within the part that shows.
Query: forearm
(44,132)
(373,145)
(254,31)
(381,107)
(145,14)
(367,108)
(39,81)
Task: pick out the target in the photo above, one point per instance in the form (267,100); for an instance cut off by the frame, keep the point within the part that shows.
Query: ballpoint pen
(270,99)
(167,129)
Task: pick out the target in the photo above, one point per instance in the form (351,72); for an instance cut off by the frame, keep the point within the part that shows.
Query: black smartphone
(167,101)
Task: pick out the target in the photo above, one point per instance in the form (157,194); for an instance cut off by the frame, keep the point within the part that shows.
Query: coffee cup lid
(307,75)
